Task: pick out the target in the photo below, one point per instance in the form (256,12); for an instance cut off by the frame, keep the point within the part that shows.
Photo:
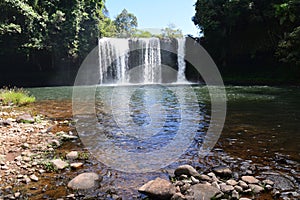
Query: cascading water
(152,61)
(117,56)
(180,60)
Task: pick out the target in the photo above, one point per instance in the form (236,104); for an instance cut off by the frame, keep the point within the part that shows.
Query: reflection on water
(260,122)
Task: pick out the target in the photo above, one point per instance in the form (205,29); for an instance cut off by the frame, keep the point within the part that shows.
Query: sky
(158,14)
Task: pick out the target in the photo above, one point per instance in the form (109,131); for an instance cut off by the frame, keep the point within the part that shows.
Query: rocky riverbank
(44,159)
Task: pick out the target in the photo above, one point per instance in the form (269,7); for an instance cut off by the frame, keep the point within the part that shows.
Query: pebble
(73,155)
(231,182)
(34,177)
(59,164)
(235,194)
(256,188)
(250,179)
(76,165)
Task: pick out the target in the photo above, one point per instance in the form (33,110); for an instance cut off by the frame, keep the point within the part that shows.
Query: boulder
(203,192)
(158,189)
(186,170)
(250,179)
(84,181)
(222,171)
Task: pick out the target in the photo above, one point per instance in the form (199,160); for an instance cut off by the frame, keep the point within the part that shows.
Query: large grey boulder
(158,189)
(84,181)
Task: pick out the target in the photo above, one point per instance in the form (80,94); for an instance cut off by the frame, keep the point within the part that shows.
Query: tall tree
(126,24)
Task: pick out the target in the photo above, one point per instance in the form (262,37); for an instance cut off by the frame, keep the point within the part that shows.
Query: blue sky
(157,14)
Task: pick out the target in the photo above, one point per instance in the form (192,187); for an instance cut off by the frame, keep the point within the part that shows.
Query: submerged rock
(84,181)
(158,189)
(186,170)
(222,171)
(59,164)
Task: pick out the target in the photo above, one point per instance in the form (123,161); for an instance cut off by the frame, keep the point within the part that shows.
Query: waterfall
(118,56)
(180,60)
(152,61)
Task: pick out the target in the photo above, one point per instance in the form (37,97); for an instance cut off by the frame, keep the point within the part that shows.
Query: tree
(126,24)
(171,32)
(143,34)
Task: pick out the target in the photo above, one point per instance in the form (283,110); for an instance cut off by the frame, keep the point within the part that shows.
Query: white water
(114,61)
(180,60)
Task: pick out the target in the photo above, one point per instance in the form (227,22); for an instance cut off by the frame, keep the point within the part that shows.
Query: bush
(15,96)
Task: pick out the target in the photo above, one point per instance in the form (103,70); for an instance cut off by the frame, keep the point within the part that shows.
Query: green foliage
(143,34)
(107,28)
(249,31)
(126,24)
(18,97)
(171,32)
(65,29)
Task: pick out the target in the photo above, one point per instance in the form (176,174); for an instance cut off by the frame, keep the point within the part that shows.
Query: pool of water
(261,121)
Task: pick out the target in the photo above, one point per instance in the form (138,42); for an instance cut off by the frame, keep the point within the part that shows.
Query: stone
(178,196)
(25,146)
(268,182)
(238,188)
(17,194)
(68,137)
(158,189)
(203,192)
(216,185)
(84,181)
(281,182)
(244,198)
(34,178)
(194,180)
(76,165)
(73,155)
(204,177)
(231,182)
(235,195)
(222,171)
(256,188)
(59,164)
(250,179)
(243,184)
(187,170)
(26,118)
(226,188)
(55,143)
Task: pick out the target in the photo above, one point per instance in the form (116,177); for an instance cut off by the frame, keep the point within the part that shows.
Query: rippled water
(261,121)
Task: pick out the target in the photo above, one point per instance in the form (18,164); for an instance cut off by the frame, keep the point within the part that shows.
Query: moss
(15,96)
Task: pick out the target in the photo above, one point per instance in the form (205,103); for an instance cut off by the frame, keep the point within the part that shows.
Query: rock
(243,184)
(5,122)
(26,118)
(256,188)
(238,188)
(194,180)
(282,183)
(68,137)
(268,182)
(178,196)
(231,182)
(203,192)
(84,181)
(59,164)
(187,170)
(76,165)
(158,189)
(250,179)
(245,199)
(226,188)
(204,177)
(17,194)
(235,195)
(25,146)
(216,185)
(34,178)
(55,143)
(222,171)
(73,155)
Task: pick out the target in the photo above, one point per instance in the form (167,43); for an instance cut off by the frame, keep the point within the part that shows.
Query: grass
(15,96)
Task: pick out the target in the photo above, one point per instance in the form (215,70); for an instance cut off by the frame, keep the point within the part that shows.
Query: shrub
(15,96)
